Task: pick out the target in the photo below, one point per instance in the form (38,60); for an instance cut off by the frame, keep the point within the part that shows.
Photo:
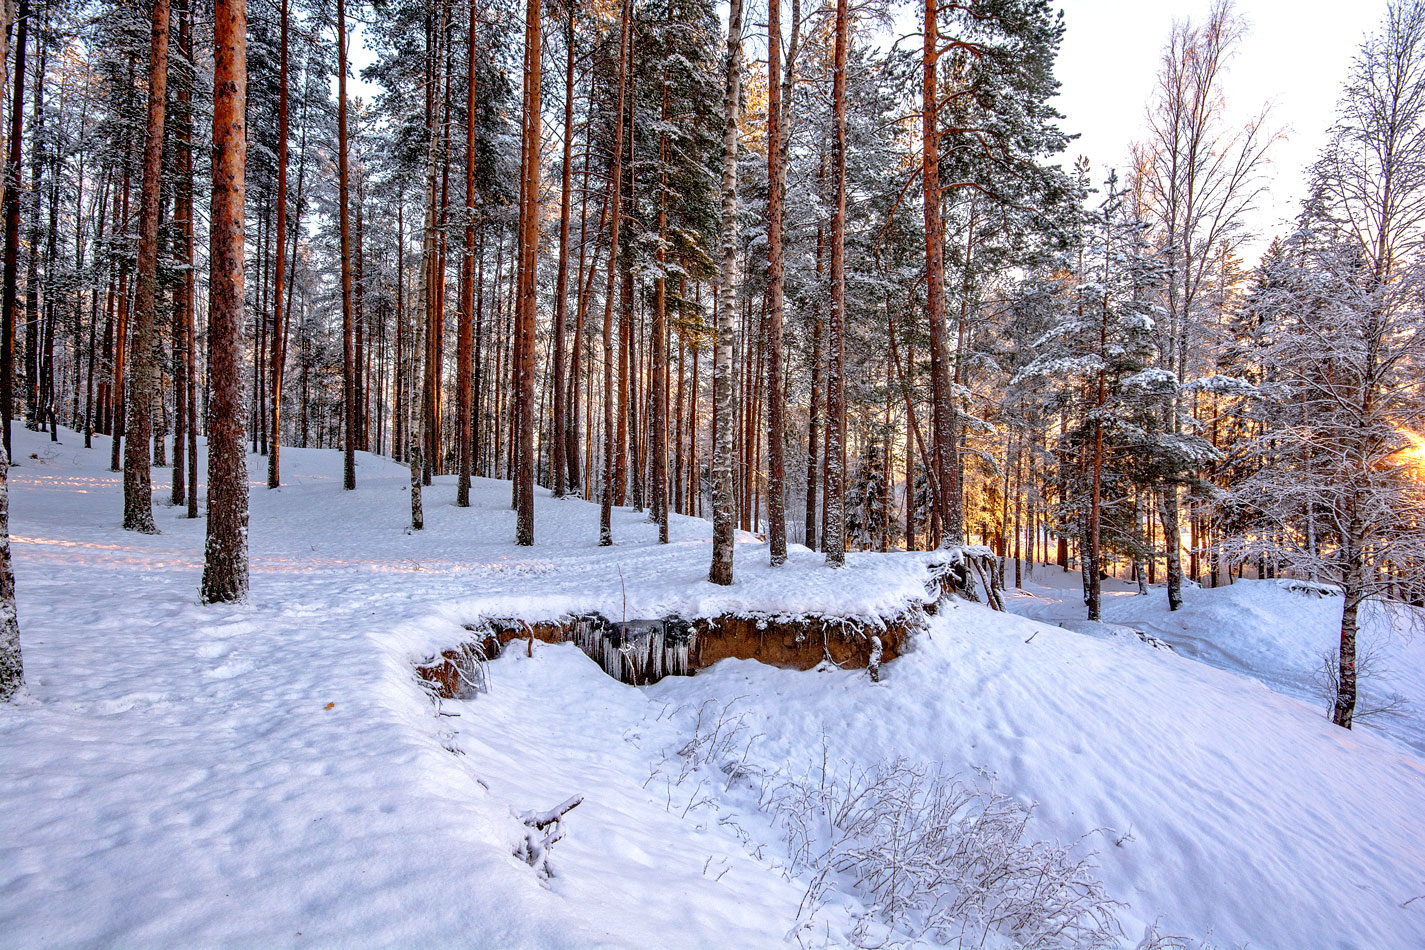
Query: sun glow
(1414,451)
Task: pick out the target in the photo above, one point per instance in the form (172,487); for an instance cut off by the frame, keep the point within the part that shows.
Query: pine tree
(348,318)
(279,318)
(1096,354)
(145,369)
(776,185)
(867,517)
(606,498)
(225,557)
(528,246)
(560,423)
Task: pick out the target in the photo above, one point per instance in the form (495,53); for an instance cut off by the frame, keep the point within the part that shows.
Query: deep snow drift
(271,774)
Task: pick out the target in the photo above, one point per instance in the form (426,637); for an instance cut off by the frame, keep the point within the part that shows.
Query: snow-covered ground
(1265,630)
(271,775)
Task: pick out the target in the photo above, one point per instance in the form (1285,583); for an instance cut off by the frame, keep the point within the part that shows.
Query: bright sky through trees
(1294,55)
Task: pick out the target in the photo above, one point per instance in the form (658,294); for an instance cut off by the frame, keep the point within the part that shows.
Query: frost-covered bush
(926,855)
(1371,670)
(937,858)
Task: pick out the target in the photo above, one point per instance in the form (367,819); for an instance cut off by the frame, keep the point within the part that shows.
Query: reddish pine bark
(143,387)
(182,294)
(528,263)
(183,211)
(225,560)
(559,446)
(776,179)
(941,413)
(606,500)
(658,501)
(464,415)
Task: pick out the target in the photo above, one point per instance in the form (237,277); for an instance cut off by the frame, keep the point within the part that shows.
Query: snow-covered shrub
(928,856)
(1371,669)
(1306,588)
(938,858)
(721,741)
(542,830)
(717,754)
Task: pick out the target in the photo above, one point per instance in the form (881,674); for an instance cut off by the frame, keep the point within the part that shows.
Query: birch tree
(1344,339)
(834,537)
(724,405)
(1203,179)
(12,668)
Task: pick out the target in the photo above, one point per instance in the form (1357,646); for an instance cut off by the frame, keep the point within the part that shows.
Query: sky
(1295,56)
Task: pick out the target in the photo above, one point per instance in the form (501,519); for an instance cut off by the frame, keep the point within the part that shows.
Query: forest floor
(271,775)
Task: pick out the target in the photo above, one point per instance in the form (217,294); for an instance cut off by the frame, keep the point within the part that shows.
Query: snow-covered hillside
(271,774)
(1265,630)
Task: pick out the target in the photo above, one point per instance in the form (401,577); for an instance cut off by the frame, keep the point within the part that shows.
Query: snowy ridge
(871,588)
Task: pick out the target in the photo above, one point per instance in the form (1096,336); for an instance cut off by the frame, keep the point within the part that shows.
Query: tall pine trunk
(225,561)
(528,263)
(32,270)
(776,178)
(274,472)
(464,411)
(348,329)
(183,199)
(143,385)
(658,497)
(941,413)
(606,499)
(559,444)
(183,252)
(584,286)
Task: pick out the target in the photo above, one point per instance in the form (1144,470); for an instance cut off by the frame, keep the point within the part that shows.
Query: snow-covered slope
(270,775)
(1262,629)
